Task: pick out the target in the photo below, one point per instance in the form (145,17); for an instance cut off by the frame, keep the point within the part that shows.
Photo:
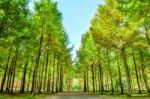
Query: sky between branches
(77,15)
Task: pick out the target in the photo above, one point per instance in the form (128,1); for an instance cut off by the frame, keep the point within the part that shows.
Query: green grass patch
(125,97)
(23,96)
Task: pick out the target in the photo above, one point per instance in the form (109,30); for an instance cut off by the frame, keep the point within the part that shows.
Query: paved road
(73,96)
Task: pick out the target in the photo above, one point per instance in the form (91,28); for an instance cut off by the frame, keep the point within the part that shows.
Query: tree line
(115,51)
(34,52)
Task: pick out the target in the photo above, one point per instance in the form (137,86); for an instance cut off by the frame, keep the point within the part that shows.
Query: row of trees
(115,51)
(34,52)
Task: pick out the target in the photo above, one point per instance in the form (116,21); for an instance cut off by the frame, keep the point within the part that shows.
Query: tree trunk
(6,69)
(126,71)
(61,79)
(96,80)
(107,81)
(37,65)
(53,82)
(119,73)
(41,80)
(110,72)
(57,76)
(93,78)
(9,75)
(136,71)
(87,77)
(101,75)
(29,81)
(49,80)
(14,70)
(24,78)
(47,63)
(144,73)
(85,87)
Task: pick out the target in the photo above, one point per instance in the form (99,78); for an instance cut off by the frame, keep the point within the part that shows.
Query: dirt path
(73,96)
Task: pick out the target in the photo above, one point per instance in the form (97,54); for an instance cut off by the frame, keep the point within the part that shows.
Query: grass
(39,97)
(17,97)
(125,97)
(106,96)
(23,96)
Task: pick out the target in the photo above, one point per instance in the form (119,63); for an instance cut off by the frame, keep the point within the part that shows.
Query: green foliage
(119,30)
(37,36)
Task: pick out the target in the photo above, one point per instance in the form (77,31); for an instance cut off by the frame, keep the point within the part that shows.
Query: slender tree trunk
(96,80)
(101,75)
(141,81)
(9,75)
(37,65)
(61,79)
(119,73)
(41,80)
(107,80)
(87,76)
(85,87)
(144,73)
(14,70)
(24,78)
(53,82)
(47,63)
(49,80)
(126,71)
(57,77)
(93,78)
(6,69)
(136,71)
(28,86)
(110,72)
(99,82)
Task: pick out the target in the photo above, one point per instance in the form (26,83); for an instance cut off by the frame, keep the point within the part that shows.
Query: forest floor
(73,95)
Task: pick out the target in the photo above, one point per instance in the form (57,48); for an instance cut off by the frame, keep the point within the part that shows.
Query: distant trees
(118,54)
(34,52)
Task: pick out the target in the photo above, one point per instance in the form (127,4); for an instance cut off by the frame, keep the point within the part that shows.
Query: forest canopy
(35,52)
(115,51)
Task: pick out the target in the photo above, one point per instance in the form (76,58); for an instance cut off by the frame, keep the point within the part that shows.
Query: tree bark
(24,78)
(93,78)
(144,73)
(14,70)
(119,73)
(85,87)
(29,81)
(9,75)
(37,65)
(53,82)
(136,71)
(127,72)
(6,70)
(57,76)
(49,80)
(47,63)
(41,79)
(110,72)
(101,75)
(87,77)
(61,79)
